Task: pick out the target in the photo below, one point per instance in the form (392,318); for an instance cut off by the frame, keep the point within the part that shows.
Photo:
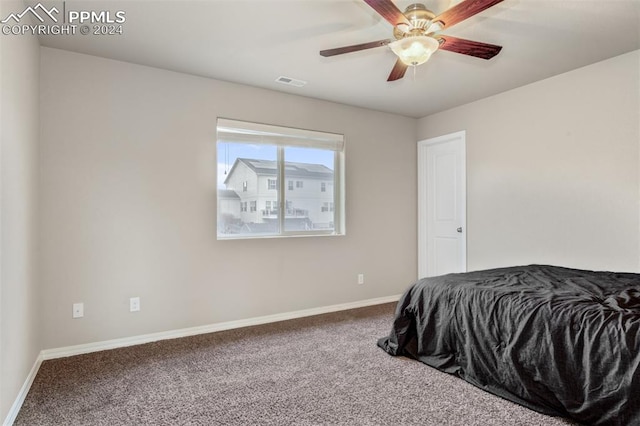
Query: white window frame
(282,138)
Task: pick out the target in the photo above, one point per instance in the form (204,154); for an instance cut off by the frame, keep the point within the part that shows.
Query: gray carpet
(322,370)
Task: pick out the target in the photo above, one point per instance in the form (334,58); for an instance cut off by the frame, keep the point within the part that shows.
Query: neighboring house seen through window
(270,160)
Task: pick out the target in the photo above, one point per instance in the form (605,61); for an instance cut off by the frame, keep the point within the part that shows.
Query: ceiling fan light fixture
(414,50)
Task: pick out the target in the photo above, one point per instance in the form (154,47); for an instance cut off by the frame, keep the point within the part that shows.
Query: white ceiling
(254,42)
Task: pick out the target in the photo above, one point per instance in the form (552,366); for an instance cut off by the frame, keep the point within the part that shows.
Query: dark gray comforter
(560,341)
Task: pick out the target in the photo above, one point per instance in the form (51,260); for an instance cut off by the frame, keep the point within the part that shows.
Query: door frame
(423,186)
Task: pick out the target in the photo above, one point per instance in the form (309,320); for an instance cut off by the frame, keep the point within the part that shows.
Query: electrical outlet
(360,278)
(78,310)
(134,304)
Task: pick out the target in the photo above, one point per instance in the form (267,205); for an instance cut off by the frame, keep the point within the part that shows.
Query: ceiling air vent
(290,81)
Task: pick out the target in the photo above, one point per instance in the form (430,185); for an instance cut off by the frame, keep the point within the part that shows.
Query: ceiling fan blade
(462,11)
(354,48)
(468,47)
(388,11)
(398,71)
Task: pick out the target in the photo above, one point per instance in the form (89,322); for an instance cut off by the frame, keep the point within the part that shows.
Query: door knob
(459,229)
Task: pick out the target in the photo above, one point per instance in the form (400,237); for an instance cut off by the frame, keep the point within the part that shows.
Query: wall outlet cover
(134,304)
(78,310)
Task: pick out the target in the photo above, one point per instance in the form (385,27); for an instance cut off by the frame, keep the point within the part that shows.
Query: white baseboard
(174,334)
(192,331)
(24,390)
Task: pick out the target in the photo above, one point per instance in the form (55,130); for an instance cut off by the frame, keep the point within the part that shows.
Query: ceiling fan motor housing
(420,18)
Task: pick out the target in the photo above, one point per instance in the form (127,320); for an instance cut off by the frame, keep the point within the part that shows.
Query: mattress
(561,341)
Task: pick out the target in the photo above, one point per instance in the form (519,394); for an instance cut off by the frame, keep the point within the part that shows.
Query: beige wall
(19,323)
(128,204)
(553,169)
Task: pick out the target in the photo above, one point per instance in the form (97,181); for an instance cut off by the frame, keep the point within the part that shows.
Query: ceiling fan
(415,34)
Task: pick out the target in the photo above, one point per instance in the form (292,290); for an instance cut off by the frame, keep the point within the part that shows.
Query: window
(327,207)
(268,209)
(277,160)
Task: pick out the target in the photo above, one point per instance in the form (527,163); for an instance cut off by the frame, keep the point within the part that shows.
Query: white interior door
(442,242)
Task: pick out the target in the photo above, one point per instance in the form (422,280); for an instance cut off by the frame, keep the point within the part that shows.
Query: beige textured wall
(128,204)
(19,323)
(553,170)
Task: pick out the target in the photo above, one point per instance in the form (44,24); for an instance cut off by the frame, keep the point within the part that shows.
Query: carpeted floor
(322,370)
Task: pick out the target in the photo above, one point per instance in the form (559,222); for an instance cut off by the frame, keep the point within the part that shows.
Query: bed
(560,341)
